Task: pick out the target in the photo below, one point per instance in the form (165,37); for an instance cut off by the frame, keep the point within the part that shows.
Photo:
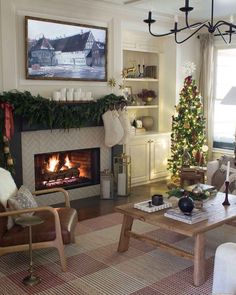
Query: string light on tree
(188,126)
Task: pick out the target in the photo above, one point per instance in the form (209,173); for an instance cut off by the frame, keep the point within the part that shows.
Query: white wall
(12,51)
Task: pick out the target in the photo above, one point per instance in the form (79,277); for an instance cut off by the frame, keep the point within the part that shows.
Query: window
(225,112)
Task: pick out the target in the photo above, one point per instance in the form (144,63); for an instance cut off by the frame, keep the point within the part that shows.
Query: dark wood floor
(94,206)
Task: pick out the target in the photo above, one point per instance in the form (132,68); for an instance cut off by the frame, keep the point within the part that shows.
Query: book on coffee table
(195,216)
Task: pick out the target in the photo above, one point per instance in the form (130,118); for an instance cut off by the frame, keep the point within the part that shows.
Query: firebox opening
(67,169)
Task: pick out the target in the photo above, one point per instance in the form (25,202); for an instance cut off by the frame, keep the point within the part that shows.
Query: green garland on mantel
(51,114)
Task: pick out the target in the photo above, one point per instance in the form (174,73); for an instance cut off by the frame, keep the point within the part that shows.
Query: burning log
(62,174)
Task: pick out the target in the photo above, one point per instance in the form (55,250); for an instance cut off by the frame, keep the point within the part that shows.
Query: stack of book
(195,216)
(150,72)
(140,130)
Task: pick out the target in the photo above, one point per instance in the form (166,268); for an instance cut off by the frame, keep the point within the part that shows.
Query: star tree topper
(189,68)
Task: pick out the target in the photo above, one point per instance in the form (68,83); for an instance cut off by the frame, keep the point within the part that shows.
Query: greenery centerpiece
(199,195)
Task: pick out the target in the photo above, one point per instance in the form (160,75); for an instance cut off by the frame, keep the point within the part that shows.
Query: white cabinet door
(159,154)
(139,152)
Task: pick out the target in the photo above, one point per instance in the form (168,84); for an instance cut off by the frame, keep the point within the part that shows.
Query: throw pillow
(218,178)
(23,200)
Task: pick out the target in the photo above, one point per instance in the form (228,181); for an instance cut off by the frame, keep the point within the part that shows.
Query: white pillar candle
(106,189)
(76,95)
(88,95)
(227,172)
(63,94)
(69,95)
(121,190)
(83,96)
(56,95)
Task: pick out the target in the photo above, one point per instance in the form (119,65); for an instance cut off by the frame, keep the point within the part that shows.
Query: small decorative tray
(144,206)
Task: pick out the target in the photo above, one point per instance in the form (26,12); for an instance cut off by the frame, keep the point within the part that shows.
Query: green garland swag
(51,114)
(37,110)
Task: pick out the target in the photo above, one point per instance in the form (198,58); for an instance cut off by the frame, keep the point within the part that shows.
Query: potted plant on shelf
(147,96)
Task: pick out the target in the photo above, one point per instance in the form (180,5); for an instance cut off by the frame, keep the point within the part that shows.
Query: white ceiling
(202,8)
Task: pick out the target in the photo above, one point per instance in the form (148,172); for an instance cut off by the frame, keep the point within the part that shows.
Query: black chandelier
(209,25)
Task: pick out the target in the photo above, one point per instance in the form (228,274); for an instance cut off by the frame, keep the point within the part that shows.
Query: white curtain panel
(206,79)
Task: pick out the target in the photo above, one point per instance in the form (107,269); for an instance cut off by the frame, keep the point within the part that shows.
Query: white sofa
(224,281)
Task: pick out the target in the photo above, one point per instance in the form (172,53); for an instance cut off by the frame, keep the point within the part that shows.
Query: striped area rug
(95,266)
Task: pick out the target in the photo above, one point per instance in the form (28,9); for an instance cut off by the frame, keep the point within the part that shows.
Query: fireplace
(67,169)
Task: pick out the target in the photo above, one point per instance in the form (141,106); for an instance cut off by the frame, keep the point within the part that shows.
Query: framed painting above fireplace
(56,50)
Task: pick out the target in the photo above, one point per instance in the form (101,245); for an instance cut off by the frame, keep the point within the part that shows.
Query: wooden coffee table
(218,215)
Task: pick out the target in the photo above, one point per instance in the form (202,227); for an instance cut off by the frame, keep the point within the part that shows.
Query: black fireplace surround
(68,169)
(20,125)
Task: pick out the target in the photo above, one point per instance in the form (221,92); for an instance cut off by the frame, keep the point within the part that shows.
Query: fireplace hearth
(67,169)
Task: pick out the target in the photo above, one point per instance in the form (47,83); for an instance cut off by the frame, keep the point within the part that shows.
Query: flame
(53,161)
(68,162)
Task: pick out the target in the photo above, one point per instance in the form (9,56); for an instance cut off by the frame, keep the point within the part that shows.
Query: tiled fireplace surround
(44,141)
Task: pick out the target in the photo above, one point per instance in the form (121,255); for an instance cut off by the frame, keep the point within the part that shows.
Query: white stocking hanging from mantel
(114,131)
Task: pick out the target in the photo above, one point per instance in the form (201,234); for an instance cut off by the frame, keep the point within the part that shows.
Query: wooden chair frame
(56,243)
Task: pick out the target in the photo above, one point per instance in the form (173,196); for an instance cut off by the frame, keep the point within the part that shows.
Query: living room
(131,61)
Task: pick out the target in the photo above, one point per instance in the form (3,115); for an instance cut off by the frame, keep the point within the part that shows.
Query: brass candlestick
(226,201)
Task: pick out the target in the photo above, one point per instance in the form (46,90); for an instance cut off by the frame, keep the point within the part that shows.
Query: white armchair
(224,282)
(212,167)
(216,174)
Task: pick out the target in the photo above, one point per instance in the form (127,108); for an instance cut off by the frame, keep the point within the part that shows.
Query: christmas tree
(188,129)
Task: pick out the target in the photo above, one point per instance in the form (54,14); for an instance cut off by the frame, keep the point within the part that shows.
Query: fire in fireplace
(67,169)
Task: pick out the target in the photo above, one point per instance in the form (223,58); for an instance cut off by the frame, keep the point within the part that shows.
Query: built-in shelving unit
(144,76)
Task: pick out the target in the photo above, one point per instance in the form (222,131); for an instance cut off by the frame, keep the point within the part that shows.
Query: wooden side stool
(190,176)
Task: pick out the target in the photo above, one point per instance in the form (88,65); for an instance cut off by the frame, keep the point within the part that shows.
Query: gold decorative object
(122,174)
(111,82)
(127,71)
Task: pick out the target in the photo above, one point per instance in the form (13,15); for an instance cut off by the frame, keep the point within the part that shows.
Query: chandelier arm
(220,34)
(209,25)
(222,22)
(180,42)
(159,35)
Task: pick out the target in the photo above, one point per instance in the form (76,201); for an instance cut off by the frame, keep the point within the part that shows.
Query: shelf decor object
(213,28)
(147,96)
